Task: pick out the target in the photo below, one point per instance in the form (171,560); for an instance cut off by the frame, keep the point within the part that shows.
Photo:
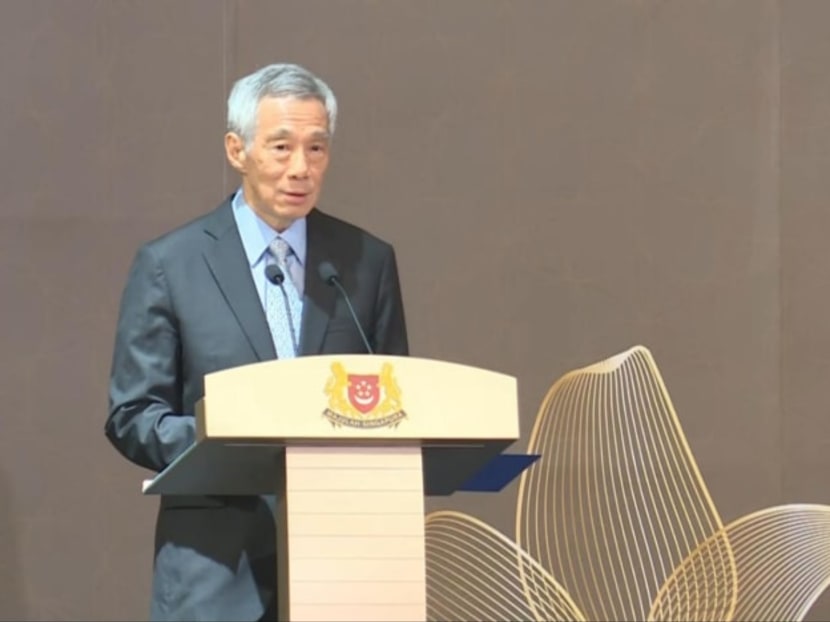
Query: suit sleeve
(145,421)
(389,330)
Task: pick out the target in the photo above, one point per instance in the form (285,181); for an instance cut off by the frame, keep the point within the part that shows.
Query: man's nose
(298,165)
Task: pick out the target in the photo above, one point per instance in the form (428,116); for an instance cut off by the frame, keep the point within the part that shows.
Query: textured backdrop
(562,180)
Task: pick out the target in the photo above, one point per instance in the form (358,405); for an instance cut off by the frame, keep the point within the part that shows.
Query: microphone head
(274,274)
(328,272)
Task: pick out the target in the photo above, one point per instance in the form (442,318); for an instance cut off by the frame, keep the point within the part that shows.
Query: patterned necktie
(283,303)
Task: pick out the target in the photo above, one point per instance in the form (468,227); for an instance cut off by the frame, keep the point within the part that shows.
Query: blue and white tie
(283,303)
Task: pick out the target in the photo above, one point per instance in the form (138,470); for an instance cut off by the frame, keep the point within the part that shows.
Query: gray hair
(278,80)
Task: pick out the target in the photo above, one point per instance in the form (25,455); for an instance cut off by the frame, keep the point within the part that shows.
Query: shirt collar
(257,235)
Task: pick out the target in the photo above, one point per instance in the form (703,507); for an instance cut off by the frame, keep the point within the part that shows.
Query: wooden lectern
(349,444)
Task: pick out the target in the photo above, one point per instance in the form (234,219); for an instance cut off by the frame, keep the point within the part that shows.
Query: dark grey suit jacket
(190,308)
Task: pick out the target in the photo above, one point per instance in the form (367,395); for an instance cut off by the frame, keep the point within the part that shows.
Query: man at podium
(264,275)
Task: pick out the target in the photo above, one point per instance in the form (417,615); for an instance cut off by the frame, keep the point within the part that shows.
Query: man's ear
(235,151)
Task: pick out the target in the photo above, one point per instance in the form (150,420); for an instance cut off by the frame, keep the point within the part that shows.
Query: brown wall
(562,180)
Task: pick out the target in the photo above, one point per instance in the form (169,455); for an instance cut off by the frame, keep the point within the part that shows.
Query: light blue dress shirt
(256,235)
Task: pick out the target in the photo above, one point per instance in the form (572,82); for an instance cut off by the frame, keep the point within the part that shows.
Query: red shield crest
(364,392)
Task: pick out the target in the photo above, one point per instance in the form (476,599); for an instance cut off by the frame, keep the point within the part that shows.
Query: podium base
(351,534)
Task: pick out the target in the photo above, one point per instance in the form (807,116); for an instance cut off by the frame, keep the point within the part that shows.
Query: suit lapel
(227,262)
(319,298)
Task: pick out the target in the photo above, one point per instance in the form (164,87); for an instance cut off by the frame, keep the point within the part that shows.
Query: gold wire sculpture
(614,522)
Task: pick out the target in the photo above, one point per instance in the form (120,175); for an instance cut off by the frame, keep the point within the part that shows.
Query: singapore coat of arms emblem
(363,400)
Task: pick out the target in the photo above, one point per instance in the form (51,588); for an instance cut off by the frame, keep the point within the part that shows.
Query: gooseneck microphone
(331,277)
(276,276)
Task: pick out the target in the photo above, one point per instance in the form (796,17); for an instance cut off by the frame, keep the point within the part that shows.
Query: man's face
(282,169)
